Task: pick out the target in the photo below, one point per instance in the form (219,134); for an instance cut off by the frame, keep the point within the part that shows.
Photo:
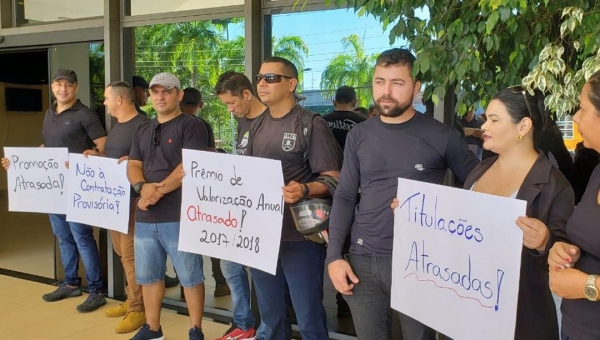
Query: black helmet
(311,215)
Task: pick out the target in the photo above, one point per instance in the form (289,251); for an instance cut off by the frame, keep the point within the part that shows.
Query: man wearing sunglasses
(305,151)
(154,170)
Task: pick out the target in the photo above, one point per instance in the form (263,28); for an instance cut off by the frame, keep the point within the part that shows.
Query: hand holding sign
(535,233)
(99,192)
(5,163)
(453,263)
(36,175)
(292,192)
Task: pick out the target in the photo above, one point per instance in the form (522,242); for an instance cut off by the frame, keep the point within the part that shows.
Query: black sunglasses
(156,135)
(520,89)
(271,78)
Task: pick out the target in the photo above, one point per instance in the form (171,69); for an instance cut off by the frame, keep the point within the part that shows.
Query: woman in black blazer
(515,119)
(575,265)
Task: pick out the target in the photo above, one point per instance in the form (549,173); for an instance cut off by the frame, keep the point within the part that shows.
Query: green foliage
(479,47)
(353,67)
(198,52)
(96,57)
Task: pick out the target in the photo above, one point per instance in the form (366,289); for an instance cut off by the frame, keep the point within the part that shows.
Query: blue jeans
(76,239)
(152,243)
(237,280)
(565,337)
(371,299)
(301,265)
(558,302)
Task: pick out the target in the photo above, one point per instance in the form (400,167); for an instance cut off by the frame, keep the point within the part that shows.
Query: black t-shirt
(162,157)
(580,316)
(140,111)
(211,134)
(341,122)
(243,131)
(376,155)
(120,138)
(282,139)
(75,128)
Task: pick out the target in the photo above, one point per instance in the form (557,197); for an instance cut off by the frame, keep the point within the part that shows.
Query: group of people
(560,244)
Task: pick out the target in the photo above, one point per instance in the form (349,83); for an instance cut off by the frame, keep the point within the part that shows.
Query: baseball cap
(68,75)
(165,80)
(345,95)
(191,96)
(140,82)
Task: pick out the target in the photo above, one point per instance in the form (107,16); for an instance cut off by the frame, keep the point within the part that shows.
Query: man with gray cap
(70,124)
(154,169)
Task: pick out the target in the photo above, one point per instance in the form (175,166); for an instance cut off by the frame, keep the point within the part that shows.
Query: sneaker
(115,312)
(63,291)
(94,301)
(171,282)
(196,334)
(236,333)
(222,290)
(146,334)
(131,322)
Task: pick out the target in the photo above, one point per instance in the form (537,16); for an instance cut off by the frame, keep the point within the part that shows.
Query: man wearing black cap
(191,104)
(343,119)
(68,123)
(140,87)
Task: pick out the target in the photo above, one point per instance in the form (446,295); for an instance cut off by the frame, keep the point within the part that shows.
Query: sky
(323,31)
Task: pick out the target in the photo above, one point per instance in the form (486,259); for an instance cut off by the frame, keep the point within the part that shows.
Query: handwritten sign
(457,259)
(37,179)
(98,192)
(232,208)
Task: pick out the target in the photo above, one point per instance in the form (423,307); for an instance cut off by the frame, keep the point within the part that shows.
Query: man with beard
(410,145)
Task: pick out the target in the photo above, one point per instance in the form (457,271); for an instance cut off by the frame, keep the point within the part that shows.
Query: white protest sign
(98,192)
(37,179)
(232,208)
(457,260)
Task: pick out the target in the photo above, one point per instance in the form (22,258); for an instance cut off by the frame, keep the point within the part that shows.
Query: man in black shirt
(343,119)
(119,100)
(69,123)
(191,104)
(140,87)
(400,142)
(279,134)
(154,169)
(235,91)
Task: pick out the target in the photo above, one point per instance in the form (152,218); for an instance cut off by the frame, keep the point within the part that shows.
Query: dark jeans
(301,265)
(74,240)
(565,337)
(217,273)
(370,302)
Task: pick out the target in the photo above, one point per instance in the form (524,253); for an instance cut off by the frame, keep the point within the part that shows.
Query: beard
(393,111)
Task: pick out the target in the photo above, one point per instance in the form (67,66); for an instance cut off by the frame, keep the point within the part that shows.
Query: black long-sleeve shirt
(376,154)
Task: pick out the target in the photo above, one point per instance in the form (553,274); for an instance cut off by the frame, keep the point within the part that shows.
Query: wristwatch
(138,186)
(305,191)
(590,290)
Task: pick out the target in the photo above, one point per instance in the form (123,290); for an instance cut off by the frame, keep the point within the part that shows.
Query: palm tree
(353,67)
(292,48)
